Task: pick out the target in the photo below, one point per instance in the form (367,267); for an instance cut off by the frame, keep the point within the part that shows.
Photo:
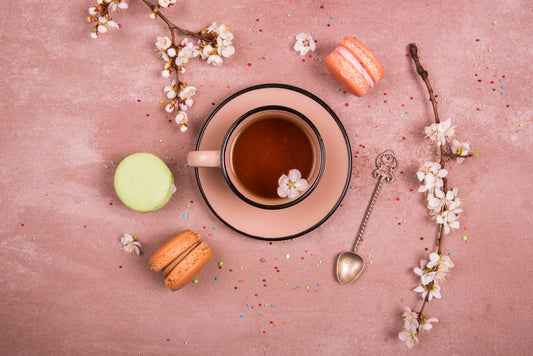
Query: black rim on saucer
(291,202)
(333,116)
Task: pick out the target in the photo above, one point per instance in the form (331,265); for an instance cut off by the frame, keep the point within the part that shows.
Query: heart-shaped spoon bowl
(349,267)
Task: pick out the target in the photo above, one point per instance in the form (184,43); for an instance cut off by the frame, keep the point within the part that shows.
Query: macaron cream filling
(166,271)
(355,62)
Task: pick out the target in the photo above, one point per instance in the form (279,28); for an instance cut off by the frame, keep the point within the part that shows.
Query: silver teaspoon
(350,264)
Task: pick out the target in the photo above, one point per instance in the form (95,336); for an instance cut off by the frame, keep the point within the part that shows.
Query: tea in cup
(272,157)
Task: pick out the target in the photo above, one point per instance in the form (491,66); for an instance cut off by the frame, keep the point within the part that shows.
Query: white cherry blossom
(163,43)
(461,149)
(409,315)
(186,104)
(224,47)
(450,212)
(431,174)
(189,49)
(224,33)
(435,200)
(208,50)
(425,324)
(171,90)
(440,132)
(130,244)
(166,3)
(442,263)
(215,60)
(290,186)
(304,43)
(426,274)
(430,291)
(116,5)
(409,334)
(187,92)
(449,220)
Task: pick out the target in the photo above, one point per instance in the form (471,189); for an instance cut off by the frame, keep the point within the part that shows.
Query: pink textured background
(72,106)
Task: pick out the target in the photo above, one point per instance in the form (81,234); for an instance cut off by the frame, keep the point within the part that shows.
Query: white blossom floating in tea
(291,185)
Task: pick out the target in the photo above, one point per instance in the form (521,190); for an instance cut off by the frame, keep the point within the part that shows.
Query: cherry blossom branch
(444,208)
(413,51)
(214,42)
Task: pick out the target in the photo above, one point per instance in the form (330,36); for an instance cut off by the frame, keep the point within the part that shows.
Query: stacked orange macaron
(181,259)
(354,66)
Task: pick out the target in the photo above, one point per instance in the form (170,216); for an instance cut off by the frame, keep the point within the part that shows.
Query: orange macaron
(181,259)
(354,66)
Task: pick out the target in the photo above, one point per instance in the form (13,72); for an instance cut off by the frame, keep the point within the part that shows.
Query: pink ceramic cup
(268,136)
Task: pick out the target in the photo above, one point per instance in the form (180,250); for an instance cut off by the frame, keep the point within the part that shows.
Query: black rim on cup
(290,202)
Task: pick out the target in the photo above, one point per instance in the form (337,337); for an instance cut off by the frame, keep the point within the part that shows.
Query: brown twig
(172,26)
(413,51)
(456,155)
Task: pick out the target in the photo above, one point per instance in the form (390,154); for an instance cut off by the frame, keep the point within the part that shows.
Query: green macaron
(143,182)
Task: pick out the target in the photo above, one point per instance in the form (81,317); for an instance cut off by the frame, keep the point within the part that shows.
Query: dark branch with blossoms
(444,208)
(212,44)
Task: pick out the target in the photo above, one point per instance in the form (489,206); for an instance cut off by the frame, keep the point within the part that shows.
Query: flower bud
(170,107)
(163,43)
(171,52)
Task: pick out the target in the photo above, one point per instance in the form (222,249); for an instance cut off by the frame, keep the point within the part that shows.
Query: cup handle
(204,158)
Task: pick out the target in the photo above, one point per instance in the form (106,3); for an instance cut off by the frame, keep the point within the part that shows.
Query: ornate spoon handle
(387,164)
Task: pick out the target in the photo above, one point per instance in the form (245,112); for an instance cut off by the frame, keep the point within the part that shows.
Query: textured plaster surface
(73,107)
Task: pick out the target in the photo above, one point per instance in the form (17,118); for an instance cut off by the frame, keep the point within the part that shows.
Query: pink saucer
(298,219)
